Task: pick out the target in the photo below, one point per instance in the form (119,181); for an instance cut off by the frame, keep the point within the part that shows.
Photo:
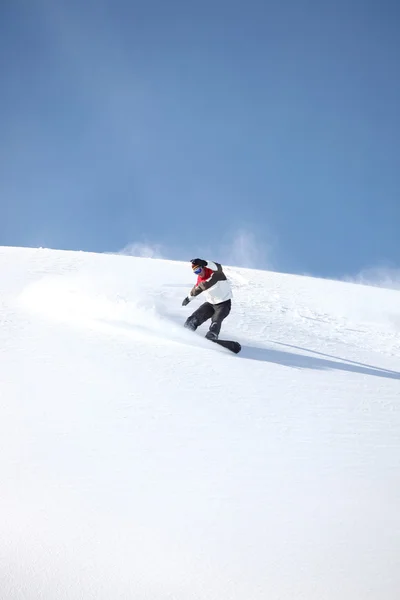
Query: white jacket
(216,288)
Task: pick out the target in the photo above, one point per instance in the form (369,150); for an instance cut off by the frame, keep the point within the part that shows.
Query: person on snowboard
(212,280)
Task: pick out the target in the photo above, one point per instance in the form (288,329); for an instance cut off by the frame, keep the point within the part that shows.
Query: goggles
(197,270)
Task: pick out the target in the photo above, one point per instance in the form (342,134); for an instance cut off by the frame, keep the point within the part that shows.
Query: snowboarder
(212,280)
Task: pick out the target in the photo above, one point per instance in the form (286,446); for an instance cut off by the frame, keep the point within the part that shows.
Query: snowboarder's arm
(193,293)
(218,275)
(213,266)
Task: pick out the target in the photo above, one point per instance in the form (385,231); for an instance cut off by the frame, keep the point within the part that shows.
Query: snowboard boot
(211,335)
(191,324)
(213,332)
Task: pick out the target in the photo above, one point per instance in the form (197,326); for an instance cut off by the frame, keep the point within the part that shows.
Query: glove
(186,301)
(199,262)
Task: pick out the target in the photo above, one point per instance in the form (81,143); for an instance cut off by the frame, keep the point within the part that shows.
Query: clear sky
(192,124)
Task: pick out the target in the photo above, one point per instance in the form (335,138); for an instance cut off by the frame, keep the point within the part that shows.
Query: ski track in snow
(140,461)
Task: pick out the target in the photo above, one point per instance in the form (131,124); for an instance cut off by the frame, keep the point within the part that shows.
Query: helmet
(198,263)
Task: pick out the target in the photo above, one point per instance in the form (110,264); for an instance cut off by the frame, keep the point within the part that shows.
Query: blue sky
(197,125)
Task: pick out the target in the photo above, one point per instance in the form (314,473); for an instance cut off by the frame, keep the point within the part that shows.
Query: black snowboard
(229,345)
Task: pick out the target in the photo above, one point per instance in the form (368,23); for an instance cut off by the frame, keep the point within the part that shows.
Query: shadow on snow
(319,361)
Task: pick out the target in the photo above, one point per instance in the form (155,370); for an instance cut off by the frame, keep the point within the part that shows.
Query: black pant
(216,312)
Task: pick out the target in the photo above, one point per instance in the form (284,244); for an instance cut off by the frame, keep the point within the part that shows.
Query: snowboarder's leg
(221,311)
(204,312)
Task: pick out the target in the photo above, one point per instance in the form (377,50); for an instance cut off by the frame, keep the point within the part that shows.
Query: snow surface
(140,461)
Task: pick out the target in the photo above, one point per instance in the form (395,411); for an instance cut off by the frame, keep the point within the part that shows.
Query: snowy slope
(139,461)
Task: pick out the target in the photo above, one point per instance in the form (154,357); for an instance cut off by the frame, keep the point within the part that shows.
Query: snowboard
(229,345)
